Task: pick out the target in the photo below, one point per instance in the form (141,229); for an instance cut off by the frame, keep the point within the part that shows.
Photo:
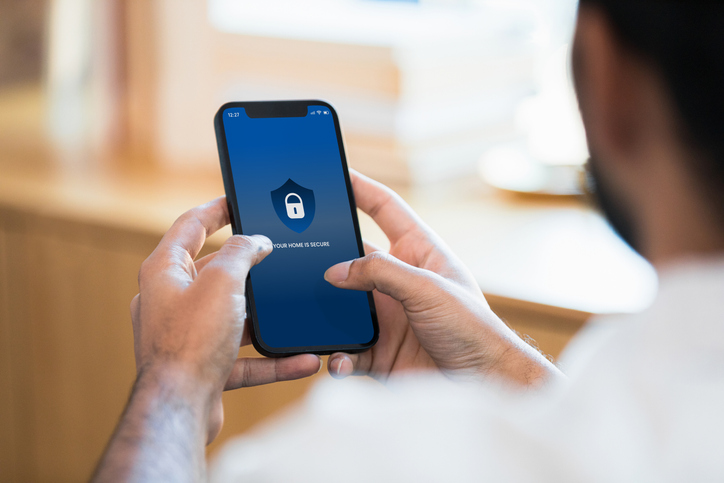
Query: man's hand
(188,325)
(192,314)
(432,313)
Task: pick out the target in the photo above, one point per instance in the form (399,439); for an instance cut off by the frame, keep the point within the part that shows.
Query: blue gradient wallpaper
(273,159)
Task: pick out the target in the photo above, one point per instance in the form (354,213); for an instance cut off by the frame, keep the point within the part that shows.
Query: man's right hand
(432,314)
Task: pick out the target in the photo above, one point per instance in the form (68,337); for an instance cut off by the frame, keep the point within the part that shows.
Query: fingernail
(321,363)
(339,365)
(337,273)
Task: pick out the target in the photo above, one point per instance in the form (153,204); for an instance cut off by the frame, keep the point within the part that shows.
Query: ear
(607,84)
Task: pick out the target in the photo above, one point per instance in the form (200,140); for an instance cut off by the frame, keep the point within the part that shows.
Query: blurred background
(463,106)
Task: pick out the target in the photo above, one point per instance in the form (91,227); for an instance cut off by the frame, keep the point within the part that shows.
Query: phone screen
(290,184)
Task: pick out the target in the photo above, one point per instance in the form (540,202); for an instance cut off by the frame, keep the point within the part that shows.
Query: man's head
(650,81)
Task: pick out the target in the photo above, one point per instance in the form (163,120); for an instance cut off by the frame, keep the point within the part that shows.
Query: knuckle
(189,215)
(376,261)
(135,308)
(135,302)
(368,267)
(145,270)
(278,373)
(241,241)
(246,375)
(218,272)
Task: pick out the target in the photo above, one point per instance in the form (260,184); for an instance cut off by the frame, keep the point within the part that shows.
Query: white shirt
(645,402)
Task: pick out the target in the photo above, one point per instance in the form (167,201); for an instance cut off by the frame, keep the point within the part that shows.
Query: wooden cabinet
(66,340)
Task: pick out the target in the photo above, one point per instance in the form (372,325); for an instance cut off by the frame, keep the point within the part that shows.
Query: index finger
(183,241)
(385,207)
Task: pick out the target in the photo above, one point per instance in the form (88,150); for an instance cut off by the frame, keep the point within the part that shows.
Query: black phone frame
(291,108)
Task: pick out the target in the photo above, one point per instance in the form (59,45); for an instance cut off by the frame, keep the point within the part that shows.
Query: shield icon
(294,205)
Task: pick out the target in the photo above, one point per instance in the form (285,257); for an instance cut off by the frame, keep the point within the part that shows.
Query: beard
(612,207)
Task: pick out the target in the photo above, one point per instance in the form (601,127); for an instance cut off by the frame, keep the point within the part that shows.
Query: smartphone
(285,175)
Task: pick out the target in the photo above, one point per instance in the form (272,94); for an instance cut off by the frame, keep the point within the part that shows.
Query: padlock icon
(294,210)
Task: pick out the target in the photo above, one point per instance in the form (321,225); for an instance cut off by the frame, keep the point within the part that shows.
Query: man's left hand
(189,317)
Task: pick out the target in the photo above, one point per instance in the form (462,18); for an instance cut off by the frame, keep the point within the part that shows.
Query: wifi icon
(319,112)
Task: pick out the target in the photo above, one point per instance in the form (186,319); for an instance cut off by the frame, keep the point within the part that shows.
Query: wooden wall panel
(8,469)
(83,347)
(16,339)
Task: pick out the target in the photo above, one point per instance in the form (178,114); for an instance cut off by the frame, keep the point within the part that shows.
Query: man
(643,396)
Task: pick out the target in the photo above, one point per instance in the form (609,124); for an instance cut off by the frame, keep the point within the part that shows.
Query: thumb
(236,257)
(383,272)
